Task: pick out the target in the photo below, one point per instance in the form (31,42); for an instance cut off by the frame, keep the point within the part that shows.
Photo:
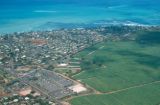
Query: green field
(120,65)
(147,95)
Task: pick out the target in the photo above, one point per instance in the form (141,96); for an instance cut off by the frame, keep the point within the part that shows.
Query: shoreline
(101,25)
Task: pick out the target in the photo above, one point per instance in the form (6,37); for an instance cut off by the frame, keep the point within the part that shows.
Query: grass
(124,64)
(147,95)
(120,65)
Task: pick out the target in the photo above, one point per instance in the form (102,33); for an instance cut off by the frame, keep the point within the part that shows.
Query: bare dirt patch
(78,88)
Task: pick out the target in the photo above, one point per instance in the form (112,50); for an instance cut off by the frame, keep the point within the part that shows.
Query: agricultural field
(146,95)
(124,73)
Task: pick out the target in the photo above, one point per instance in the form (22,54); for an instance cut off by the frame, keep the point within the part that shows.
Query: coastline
(53,26)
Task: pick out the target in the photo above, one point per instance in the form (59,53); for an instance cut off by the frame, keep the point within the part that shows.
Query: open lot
(125,72)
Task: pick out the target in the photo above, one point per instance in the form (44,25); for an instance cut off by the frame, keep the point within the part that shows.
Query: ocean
(28,15)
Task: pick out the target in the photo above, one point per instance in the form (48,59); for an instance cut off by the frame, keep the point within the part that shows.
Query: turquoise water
(19,18)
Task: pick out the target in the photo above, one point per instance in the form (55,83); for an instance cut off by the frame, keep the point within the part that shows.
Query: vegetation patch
(151,37)
(119,65)
(145,95)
